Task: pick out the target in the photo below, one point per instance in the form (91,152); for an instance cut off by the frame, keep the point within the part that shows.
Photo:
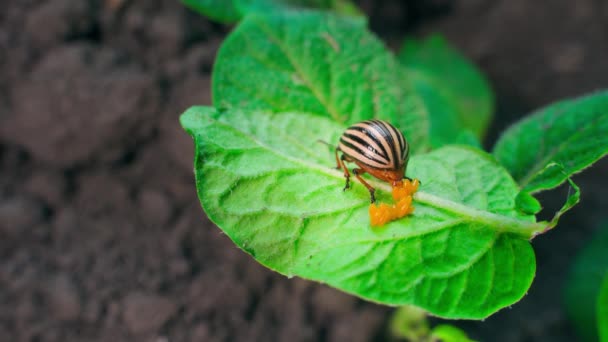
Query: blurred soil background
(101,235)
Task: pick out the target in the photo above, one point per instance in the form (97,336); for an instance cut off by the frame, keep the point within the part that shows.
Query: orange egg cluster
(380,215)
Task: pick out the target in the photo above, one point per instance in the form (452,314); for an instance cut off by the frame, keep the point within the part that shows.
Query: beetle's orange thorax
(394,177)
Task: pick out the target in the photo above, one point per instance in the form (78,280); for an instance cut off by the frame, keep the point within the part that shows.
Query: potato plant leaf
(544,149)
(602,310)
(527,203)
(449,333)
(230,11)
(409,323)
(572,199)
(264,179)
(457,95)
(316,63)
(584,282)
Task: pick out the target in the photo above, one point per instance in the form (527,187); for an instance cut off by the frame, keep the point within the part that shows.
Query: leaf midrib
(268,31)
(501,223)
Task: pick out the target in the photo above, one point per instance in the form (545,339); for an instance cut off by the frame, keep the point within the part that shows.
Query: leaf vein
(328,106)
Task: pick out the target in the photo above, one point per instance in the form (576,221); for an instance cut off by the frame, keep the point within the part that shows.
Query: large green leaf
(457,95)
(602,310)
(230,11)
(584,283)
(272,188)
(544,149)
(316,63)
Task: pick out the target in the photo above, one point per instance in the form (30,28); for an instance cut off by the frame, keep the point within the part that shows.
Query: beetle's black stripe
(366,150)
(361,147)
(399,137)
(392,140)
(369,135)
(364,141)
(402,145)
(379,135)
(375,143)
(361,158)
(361,153)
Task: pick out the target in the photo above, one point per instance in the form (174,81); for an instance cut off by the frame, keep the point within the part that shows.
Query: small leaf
(273,189)
(316,63)
(449,333)
(467,137)
(230,11)
(457,95)
(530,205)
(527,204)
(574,196)
(410,323)
(602,310)
(571,134)
(584,282)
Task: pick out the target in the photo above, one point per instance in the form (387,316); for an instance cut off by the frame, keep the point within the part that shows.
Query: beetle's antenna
(326,143)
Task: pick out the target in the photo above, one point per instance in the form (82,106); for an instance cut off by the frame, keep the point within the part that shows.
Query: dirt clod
(18,214)
(146,313)
(81,103)
(102,237)
(63,298)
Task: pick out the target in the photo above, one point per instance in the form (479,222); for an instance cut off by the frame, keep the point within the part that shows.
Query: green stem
(501,223)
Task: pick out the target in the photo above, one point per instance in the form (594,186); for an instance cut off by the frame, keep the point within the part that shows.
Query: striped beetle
(378,148)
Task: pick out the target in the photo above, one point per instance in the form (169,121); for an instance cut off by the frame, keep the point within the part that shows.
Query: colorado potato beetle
(378,148)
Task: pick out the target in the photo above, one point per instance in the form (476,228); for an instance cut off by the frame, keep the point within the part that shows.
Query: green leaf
(410,323)
(449,333)
(230,11)
(457,95)
(316,63)
(602,310)
(541,151)
(220,10)
(467,137)
(273,189)
(574,196)
(584,282)
(527,204)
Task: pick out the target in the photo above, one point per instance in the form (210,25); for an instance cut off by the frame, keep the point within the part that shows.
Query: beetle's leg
(346,173)
(338,166)
(372,191)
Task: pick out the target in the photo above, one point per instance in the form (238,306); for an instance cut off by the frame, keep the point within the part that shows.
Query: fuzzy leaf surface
(457,95)
(316,63)
(272,188)
(544,149)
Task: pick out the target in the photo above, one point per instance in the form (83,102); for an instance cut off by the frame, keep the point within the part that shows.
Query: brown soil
(101,234)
